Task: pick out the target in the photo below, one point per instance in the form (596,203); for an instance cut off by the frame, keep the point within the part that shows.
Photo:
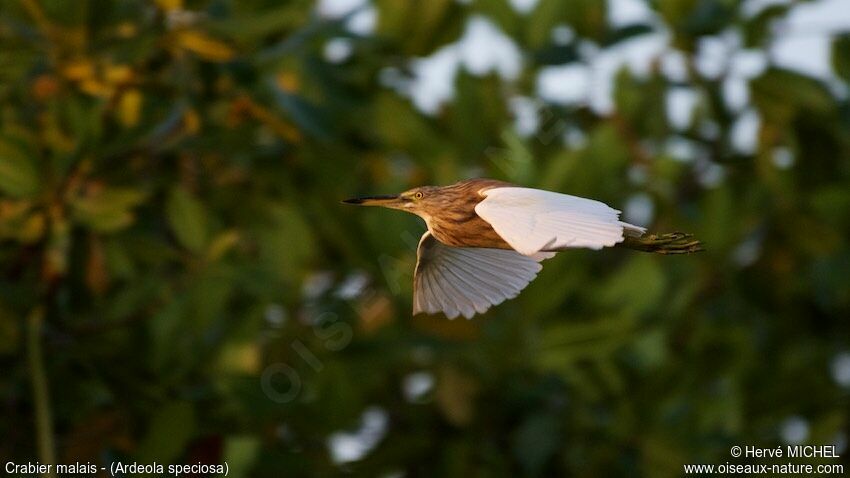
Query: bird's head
(420,201)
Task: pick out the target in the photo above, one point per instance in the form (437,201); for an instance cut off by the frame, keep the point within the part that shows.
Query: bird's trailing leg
(670,243)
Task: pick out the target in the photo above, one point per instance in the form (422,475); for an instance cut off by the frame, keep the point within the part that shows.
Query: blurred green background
(180,283)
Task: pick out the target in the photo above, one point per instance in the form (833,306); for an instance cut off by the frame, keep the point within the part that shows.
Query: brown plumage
(457,223)
(486,238)
(450,214)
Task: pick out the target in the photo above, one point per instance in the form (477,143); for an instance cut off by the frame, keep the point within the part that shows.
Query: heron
(486,239)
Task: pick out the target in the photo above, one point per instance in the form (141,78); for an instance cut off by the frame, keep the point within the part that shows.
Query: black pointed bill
(374,200)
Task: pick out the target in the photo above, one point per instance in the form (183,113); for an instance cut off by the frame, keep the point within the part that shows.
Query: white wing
(531,220)
(465,280)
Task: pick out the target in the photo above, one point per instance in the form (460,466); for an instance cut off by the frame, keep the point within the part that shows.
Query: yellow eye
(418,195)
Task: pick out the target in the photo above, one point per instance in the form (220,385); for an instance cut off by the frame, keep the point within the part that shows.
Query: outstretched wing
(465,280)
(531,220)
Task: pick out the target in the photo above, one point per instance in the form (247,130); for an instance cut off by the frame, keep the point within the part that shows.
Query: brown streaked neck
(454,221)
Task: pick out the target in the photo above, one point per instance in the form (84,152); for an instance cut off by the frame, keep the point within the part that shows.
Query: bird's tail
(670,243)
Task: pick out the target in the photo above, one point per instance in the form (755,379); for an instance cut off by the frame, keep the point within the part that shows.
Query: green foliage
(187,218)
(171,428)
(170,178)
(18,177)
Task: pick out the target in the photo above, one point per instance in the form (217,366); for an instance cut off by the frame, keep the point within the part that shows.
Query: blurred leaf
(420,28)
(10,333)
(536,441)
(32,229)
(641,106)
(832,205)
(188,219)
(163,327)
(107,210)
(661,456)
(709,17)
(627,32)
(651,349)
(169,5)
(221,244)
(254,26)
(18,175)
(97,277)
(545,16)
(636,288)
(841,56)
(557,55)
(455,395)
(204,46)
(564,344)
(18,220)
(828,426)
(306,115)
(170,430)
(502,13)
(240,358)
(758,29)
(81,115)
(287,243)
(129,108)
(829,283)
(587,18)
(780,95)
(58,246)
(208,297)
(515,162)
(117,259)
(718,219)
(239,453)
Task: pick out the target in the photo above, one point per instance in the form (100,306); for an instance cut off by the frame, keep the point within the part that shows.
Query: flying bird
(486,239)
